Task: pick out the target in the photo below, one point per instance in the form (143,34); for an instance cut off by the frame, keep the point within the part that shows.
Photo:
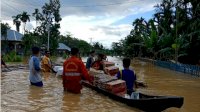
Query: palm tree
(24,17)
(17,22)
(37,16)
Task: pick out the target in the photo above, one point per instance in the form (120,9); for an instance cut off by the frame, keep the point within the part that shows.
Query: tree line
(48,20)
(173,33)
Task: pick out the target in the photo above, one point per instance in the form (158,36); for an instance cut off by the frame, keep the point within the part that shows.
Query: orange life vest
(73,71)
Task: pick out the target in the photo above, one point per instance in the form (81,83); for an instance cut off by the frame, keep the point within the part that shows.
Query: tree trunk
(24,27)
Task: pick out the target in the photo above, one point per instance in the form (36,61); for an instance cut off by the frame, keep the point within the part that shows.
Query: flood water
(18,96)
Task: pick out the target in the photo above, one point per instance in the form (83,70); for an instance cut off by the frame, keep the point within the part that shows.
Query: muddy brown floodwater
(18,96)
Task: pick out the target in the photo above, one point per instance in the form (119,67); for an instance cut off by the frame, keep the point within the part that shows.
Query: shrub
(12,57)
(53,58)
(18,58)
(65,56)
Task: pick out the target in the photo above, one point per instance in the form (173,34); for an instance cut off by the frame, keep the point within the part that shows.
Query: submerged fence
(184,68)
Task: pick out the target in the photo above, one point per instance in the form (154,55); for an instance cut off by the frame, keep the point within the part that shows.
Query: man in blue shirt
(127,75)
(90,60)
(34,66)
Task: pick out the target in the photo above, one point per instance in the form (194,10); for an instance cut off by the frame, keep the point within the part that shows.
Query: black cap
(74,51)
(91,52)
(35,50)
(47,52)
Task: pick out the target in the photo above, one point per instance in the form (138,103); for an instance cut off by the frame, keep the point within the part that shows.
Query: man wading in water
(34,67)
(74,71)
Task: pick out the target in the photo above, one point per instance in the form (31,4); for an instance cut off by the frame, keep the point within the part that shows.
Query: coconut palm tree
(37,16)
(17,22)
(24,17)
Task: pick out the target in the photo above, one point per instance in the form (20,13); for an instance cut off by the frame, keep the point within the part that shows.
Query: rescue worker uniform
(74,71)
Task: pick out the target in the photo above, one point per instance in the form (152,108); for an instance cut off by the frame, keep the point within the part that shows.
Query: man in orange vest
(73,72)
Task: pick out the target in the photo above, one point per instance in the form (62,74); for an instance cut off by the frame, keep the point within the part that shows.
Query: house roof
(12,36)
(63,47)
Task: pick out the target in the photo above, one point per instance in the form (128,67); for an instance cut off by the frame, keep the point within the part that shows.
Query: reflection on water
(18,95)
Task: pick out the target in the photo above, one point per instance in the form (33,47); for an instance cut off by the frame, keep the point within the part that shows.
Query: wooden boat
(146,103)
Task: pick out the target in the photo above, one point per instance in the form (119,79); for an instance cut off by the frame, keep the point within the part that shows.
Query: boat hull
(146,103)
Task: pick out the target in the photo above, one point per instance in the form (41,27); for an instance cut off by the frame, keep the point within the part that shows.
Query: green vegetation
(4,28)
(84,46)
(64,56)
(172,33)
(24,17)
(48,21)
(12,57)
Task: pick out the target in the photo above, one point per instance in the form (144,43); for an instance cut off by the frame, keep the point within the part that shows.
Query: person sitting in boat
(74,71)
(90,60)
(127,75)
(98,64)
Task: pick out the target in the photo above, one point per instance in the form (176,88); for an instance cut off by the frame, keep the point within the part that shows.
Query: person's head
(100,57)
(36,51)
(47,53)
(92,53)
(126,62)
(75,51)
(104,57)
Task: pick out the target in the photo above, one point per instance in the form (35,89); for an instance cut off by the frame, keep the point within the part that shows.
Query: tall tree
(50,18)
(24,17)
(38,16)
(17,22)
(4,28)
(173,32)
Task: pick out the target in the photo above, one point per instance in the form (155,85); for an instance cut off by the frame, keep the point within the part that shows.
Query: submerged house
(62,48)
(13,41)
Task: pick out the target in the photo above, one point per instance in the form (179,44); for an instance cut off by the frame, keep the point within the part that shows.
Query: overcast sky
(105,21)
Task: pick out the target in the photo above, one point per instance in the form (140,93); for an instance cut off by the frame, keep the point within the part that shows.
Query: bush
(53,58)
(12,57)
(65,56)
(18,58)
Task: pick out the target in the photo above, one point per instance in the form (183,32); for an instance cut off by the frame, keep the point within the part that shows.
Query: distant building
(12,42)
(62,48)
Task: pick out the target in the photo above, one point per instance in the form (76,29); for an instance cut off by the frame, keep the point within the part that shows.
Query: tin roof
(12,35)
(63,47)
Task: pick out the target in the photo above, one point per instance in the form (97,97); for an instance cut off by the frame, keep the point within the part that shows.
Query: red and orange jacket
(98,65)
(73,72)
